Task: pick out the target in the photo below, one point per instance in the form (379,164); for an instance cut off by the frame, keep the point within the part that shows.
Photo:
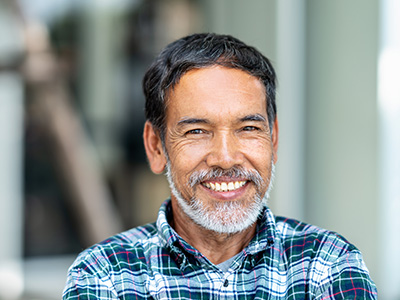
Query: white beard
(224,217)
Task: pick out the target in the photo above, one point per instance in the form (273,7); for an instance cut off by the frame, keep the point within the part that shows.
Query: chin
(223,217)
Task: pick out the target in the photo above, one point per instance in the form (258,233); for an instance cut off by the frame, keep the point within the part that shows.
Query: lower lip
(228,195)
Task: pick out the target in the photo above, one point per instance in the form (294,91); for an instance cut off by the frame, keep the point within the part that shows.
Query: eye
(250,128)
(195,131)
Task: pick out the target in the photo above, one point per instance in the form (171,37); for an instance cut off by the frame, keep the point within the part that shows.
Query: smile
(224,186)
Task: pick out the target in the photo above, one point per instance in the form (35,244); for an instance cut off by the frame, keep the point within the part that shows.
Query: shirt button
(226,283)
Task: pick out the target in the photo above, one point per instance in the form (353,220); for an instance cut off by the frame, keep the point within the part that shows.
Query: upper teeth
(224,186)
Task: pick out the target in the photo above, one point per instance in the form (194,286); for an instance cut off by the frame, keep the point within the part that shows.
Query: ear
(154,150)
(275,139)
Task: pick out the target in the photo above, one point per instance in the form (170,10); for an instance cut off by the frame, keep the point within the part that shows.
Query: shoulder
(333,265)
(311,240)
(113,266)
(110,255)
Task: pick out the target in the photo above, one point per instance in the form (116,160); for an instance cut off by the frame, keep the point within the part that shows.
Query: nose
(225,151)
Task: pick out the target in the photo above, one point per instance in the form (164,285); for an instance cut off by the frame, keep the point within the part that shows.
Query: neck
(217,247)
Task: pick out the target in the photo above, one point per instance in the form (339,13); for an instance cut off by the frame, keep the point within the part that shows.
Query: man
(212,126)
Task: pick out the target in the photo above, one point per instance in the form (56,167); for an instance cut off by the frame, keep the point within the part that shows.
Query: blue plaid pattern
(287,259)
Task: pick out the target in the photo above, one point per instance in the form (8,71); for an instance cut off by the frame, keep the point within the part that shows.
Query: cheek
(259,156)
(188,153)
(259,152)
(186,159)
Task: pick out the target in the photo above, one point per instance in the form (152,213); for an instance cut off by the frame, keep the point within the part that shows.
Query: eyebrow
(188,121)
(255,117)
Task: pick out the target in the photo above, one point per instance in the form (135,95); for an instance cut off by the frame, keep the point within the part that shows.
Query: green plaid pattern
(287,259)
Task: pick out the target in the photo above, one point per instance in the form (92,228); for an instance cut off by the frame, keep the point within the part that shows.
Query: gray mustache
(234,172)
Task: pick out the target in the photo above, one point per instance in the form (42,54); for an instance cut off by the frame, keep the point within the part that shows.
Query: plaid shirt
(286,259)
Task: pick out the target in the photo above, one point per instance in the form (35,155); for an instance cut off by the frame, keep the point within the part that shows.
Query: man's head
(199,51)
(209,126)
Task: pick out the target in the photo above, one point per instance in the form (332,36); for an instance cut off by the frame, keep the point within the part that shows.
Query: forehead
(216,92)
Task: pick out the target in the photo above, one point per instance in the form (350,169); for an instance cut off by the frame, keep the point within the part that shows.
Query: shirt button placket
(224,294)
(226,283)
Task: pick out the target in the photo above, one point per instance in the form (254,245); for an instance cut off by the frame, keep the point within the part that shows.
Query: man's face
(219,146)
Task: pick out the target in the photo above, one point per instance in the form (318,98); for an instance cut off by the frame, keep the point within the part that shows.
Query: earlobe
(275,139)
(154,150)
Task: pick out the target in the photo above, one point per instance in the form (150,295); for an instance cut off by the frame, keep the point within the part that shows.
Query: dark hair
(199,51)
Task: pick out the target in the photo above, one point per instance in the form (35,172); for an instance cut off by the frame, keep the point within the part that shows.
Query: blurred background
(72,164)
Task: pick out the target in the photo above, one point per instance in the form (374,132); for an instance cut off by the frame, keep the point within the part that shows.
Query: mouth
(224,186)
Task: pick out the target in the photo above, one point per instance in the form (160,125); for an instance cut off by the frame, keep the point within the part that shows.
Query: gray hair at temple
(200,51)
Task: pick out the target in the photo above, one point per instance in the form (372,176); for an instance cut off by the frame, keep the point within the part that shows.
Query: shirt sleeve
(84,286)
(348,278)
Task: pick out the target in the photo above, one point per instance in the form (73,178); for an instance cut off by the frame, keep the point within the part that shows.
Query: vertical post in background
(341,153)
(11,211)
(98,47)
(11,148)
(289,191)
(389,162)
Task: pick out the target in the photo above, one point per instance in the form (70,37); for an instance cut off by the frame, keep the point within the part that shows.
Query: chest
(263,279)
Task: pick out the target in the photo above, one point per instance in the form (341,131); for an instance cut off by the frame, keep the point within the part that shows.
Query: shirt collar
(166,233)
(264,238)
(265,234)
